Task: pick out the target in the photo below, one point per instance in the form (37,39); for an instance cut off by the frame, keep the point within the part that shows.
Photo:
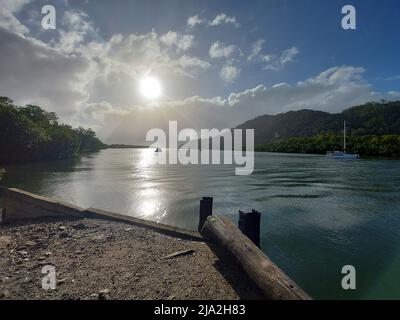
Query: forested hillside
(32,134)
(375,118)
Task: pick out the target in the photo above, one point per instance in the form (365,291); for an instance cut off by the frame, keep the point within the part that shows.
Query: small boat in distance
(342,154)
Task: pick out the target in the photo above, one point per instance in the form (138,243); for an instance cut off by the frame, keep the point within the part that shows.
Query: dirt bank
(99,259)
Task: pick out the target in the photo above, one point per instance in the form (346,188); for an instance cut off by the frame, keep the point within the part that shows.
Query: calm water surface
(317,214)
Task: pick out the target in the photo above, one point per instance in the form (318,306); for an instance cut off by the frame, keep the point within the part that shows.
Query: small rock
(61,281)
(5,241)
(48,253)
(98,237)
(30,243)
(64,235)
(103,294)
(79,226)
(62,228)
(171,297)
(4,294)
(23,253)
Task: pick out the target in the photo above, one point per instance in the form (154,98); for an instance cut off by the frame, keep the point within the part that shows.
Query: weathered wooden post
(249,224)
(205,211)
(262,271)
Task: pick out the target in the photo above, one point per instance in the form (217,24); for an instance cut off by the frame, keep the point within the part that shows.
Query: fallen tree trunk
(271,280)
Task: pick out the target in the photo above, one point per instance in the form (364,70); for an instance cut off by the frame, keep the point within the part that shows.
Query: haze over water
(318,214)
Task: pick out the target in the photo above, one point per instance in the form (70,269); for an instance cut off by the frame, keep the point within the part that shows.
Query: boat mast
(344,137)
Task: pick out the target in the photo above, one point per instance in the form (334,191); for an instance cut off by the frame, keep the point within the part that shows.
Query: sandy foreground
(100,259)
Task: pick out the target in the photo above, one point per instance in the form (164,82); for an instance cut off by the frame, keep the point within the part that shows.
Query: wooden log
(205,211)
(249,224)
(268,277)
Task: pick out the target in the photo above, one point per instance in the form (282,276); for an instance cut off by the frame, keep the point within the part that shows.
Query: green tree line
(30,134)
(365,145)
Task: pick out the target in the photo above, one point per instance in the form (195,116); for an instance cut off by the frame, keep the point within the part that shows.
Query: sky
(218,63)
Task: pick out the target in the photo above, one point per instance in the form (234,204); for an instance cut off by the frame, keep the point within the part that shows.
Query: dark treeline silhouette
(30,134)
(365,145)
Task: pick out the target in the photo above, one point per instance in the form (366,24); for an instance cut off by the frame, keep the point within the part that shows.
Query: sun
(150,88)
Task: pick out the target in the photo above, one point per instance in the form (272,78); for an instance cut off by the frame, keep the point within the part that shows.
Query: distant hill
(374,118)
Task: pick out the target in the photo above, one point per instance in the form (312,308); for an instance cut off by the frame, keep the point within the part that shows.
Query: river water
(318,214)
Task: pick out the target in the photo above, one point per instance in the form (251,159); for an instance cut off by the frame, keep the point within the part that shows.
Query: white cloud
(394,94)
(229,73)
(194,21)
(77,27)
(193,63)
(8,9)
(341,75)
(221,50)
(273,61)
(13,5)
(288,55)
(32,72)
(222,18)
(256,48)
(180,42)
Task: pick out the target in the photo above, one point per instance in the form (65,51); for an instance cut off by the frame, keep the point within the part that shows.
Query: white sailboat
(342,154)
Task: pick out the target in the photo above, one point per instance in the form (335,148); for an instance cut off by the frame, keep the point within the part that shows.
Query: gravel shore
(100,259)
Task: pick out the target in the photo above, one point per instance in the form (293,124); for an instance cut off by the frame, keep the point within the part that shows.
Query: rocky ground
(99,259)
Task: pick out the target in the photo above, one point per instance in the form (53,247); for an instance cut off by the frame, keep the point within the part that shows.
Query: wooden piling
(205,210)
(268,277)
(249,224)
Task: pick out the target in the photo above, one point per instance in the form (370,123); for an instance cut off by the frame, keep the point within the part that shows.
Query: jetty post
(249,224)
(205,211)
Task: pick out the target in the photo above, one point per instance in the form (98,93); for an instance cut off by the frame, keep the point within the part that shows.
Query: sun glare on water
(150,88)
